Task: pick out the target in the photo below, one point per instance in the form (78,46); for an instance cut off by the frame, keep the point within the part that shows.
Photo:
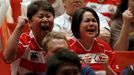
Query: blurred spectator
(63,22)
(63,62)
(58,7)
(128,70)
(122,25)
(31,74)
(106,7)
(131,41)
(52,41)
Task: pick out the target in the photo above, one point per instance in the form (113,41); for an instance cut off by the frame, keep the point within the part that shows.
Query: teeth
(44,25)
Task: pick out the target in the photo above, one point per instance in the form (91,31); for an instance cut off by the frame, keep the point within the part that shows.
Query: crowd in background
(34,31)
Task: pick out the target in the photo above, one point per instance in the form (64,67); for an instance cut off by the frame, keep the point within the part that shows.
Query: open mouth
(45,28)
(90,30)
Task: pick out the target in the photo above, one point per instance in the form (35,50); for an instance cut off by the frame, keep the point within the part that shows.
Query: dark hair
(39,5)
(50,36)
(129,70)
(60,57)
(121,8)
(31,74)
(131,42)
(77,18)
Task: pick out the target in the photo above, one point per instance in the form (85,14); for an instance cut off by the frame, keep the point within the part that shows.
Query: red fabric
(106,7)
(4,68)
(99,46)
(5,33)
(16,11)
(24,57)
(35,67)
(115,2)
(8,28)
(124,58)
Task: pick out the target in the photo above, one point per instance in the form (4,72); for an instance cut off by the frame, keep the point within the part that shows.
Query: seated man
(56,40)
(63,62)
(63,22)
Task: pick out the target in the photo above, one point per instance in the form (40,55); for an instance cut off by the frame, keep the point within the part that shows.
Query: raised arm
(123,41)
(12,43)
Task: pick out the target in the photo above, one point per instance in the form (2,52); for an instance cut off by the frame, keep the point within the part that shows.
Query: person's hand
(22,21)
(103,58)
(127,16)
(87,58)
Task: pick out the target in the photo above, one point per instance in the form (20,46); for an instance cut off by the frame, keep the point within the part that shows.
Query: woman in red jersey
(97,53)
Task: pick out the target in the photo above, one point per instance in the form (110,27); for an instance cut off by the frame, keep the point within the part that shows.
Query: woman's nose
(44,19)
(91,23)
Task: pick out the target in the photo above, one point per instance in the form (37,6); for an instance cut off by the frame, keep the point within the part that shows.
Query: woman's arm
(122,42)
(12,43)
(104,60)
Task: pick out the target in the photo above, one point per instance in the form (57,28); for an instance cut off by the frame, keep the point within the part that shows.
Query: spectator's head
(72,5)
(36,6)
(41,19)
(31,74)
(131,41)
(63,62)
(85,23)
(54,40)
(124,5)
(128,70)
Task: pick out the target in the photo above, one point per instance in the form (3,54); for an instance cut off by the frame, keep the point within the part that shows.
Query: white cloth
(64,22)
(4,5)
(58,7)
(24,5)
(107,7)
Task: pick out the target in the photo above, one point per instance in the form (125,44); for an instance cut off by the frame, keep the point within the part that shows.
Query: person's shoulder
(26,34)
(71,40)
(100,41)
(25,37)
(103,44)
(61,17)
